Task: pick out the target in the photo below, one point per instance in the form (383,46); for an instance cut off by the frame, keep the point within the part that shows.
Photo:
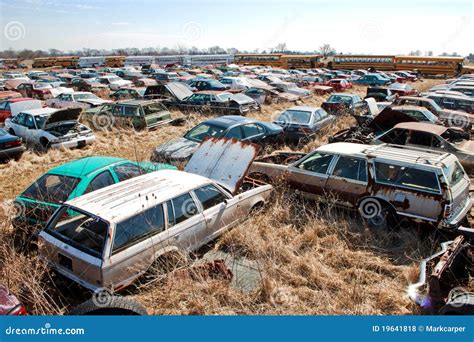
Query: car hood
(20,106)
(179,149)
(242,99)
(94,102)
(67,114)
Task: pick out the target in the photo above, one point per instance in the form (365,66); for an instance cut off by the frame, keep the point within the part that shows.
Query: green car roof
(84,166)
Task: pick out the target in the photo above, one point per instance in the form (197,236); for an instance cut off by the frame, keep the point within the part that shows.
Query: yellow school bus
(67,61)
(114,61)
(44,62)
(268,59)
(447,66)
(352,62)
(300,61)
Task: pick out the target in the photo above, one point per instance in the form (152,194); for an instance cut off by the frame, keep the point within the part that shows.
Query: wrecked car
(301,123)
(452,118)
(51,128)
(384,182)
(340,103)
(9,304)
(139,114)
(460,103)
(435,137)
(228,126)
(71,180)
(110,237)
(380,94)
(80,99)
(128,93)
(11,146)
(11,107)
(445,284)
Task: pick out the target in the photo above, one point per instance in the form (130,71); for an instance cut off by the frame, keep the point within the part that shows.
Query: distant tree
(415,53)
(280,47)
(327,50)
(429,53)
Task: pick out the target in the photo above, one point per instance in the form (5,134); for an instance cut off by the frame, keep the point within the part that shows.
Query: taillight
(447,210)
(13,143)
(18,311)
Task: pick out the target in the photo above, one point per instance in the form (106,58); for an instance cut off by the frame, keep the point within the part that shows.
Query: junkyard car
(113,82)
(372,80)
(340,103)
(41,91)
(460,103)
(403,89)
(221,102)
(128,93)
(301,123)
(80,99)
(452,118)
(9,304)
(88,84)
(384,182)
(11,146)
(50,127)
(237,127)
(139,114)
(110,237)
(381,94)
(207,84)
(72,180)
(339,84)
(10,107)
(418,113)
(435,137)
(445,284)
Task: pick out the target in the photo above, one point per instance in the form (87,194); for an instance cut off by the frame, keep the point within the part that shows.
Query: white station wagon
(109,237)
(51,128)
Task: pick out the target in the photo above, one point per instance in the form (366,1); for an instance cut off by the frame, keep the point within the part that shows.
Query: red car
(403,89)
(9,304)
(408,76)
(339,84)
(40,90)
(5,110)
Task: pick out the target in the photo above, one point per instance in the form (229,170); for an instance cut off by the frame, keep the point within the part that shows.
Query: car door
(30,131)
(220,210)
(310,174)
(187,228)
(253,133)
(132,251)
(348,180)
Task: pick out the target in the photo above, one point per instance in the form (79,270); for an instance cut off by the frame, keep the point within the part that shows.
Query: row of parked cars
(102,222)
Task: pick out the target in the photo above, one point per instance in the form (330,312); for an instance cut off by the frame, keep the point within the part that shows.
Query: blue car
(301,123)
(11,146)
(372,80)
(229,126)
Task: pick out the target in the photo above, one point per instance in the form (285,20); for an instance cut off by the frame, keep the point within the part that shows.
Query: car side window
(29,122)
(183,208)
(317,162)
(100,181)
(395,136)
(131,111)
(235,132)
(251,130)
(351,168)
(210,196)
(138,227)
(423,139)
(117,111)
(128,170)
(408,177)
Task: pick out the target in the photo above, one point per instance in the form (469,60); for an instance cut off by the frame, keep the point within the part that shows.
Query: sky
(357,26)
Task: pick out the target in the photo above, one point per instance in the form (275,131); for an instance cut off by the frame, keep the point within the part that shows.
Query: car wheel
(109,305)
(45,143)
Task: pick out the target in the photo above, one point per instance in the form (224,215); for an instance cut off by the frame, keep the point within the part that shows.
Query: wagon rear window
(51,188)
(408,177)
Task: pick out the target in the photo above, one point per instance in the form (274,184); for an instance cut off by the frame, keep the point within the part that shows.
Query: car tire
(45,144)
(114,306)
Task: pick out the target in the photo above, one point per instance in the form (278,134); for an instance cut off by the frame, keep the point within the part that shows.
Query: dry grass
(313,261)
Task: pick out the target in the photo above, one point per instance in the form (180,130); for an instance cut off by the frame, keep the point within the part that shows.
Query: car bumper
(12,152)
(453,222)
(75,143)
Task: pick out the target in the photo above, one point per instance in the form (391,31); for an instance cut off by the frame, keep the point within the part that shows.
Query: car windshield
(41,85)
(80,230)
(204,130)
(85,96)
(340,99)
(40,120)
(294,116)
(51,188)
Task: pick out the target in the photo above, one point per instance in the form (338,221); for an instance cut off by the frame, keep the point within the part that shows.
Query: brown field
(312,260)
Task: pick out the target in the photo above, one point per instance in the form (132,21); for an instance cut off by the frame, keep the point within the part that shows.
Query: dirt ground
(311,260)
